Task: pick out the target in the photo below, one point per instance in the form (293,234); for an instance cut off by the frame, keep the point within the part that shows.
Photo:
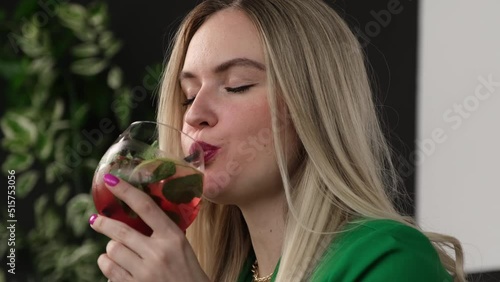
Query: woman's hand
(132,256)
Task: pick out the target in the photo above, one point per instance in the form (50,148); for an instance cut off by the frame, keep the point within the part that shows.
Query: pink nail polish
(92,219)
(110,179)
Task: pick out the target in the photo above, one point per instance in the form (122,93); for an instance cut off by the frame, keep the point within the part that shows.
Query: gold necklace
(256,274)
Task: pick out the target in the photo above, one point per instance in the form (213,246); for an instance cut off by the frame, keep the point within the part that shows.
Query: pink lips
(209,151)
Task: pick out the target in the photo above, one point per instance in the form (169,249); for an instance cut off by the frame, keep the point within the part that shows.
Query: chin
(212,190)
(221,195)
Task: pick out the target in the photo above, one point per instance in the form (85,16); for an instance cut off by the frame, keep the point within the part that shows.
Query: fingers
(123,256)
(141,203)
(111,270)
(119,232)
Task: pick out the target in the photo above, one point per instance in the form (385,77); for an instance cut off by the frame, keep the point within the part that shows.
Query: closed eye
(240,89)
(188,102)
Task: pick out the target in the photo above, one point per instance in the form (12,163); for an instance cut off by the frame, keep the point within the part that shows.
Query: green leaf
(78,210)
(85,50)
(78,117)
(16,146)
(62,194)
(26,182)
(151,151)
(18,162)
(46,256)
(45,259)
(90,163)
(60,143)
(18,127)
(45,42)
(115,77)
(60,256)
(59,125)
(55,170)
(33,43)
(183,189)
(58,110)
(45,81)
(72,16)
(106,39)
(99,15)
(51,171)
(39,99)
(44,146)
(163,171)
(50,223)
(76,11)
(30,30)
(113,48)
(88,249)
(41,64)
(86,35)
(40,206)
(89,66)
(30,47)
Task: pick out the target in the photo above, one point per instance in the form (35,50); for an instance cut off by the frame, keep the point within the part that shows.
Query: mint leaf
(151,151)
(183,189)
(163,171)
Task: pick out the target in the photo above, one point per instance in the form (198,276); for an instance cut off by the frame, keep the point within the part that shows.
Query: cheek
(249,121)
(249,166)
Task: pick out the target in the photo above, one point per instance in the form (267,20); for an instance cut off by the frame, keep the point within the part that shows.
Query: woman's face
(224,72)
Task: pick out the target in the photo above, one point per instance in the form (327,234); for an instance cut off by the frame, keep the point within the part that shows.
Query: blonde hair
(315,67)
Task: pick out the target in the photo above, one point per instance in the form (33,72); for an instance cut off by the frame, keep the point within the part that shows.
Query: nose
(201,113)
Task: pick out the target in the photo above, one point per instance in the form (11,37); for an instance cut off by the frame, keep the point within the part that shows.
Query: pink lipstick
(209,150)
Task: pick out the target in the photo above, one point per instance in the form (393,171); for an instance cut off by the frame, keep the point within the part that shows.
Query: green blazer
(374,250)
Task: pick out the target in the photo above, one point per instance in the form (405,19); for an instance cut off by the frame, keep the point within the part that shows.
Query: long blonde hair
(315,67)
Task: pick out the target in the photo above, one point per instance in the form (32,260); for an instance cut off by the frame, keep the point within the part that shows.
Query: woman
(298,179)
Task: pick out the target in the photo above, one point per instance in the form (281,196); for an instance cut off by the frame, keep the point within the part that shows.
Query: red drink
(175,186)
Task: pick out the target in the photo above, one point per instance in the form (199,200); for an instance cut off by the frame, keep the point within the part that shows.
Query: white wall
(458,176)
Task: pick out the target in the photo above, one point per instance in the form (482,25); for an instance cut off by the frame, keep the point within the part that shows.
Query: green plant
(61,84)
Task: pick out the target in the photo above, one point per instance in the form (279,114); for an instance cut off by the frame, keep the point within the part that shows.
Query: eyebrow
(237,62)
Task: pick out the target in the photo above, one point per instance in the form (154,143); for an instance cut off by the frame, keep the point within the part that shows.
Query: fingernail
(110,179)
(92,218)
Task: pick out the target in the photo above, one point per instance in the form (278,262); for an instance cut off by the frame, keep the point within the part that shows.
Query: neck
(264,219)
